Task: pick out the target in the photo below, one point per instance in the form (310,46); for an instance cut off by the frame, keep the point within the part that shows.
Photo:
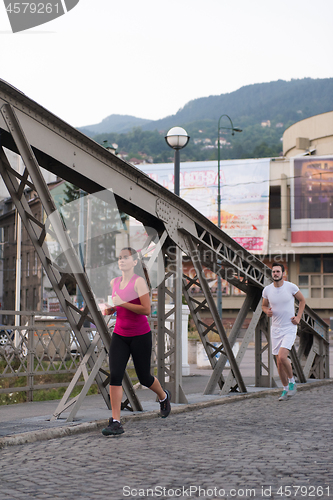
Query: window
(7,269)
(275,207)
(27,299)
(315,278)
(328,263)
(2,241)
(35,266)
(310,264)
(28,265)
(34,300)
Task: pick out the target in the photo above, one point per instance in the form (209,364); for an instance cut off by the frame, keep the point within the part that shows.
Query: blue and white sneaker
(292,389)
(284,396)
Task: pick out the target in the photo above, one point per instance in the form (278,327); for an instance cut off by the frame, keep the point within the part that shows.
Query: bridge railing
(36,357)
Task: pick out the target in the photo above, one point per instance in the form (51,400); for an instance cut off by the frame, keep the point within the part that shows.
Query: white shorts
(284,340)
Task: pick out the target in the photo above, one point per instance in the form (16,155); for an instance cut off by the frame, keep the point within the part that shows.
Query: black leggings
(140,348)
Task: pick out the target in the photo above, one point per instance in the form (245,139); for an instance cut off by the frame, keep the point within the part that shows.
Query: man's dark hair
(278,264)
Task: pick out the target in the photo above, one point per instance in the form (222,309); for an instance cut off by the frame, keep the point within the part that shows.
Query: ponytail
(140,269)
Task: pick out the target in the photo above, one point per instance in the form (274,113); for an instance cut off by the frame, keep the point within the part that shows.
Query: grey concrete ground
(249,448)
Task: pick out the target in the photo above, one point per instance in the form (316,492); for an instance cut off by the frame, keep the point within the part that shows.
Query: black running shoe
(165,405)
(113,428)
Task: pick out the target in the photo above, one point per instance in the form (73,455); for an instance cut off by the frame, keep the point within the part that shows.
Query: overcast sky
(148,58)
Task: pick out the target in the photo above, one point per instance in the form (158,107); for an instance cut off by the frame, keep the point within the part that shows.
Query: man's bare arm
(301,305)
(265,307)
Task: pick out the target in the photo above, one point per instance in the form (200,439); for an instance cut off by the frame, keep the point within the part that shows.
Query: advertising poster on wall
(244,195)
(312,201)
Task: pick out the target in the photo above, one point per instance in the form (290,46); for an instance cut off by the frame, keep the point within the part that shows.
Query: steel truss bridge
(43,140)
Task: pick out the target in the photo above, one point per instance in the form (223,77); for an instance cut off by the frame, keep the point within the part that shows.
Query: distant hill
(114,123)
(278,101)
(263,111)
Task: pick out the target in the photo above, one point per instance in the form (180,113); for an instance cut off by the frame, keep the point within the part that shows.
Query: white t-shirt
(281,300)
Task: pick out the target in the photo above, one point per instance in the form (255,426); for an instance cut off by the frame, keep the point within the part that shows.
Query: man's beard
(278,279)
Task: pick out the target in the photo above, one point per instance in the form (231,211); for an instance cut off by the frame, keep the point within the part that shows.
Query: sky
(148,58)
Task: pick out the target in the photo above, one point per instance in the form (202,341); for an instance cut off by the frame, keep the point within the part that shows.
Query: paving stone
(253,444)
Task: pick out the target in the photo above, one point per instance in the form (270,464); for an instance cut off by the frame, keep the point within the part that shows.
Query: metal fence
(43,354)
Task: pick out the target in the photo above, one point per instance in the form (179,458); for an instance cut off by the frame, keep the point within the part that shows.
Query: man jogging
(278,304)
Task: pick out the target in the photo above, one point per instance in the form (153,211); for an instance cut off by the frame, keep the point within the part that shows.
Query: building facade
(31,272)
(312,136)
(293,225)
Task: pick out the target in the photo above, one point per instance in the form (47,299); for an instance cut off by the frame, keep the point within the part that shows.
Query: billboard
(312,201)
(244,195)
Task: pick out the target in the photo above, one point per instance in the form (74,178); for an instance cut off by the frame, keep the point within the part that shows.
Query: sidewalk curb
(73,429)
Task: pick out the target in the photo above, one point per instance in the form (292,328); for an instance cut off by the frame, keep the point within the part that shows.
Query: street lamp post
(80,245)
(233,130)
(177,139)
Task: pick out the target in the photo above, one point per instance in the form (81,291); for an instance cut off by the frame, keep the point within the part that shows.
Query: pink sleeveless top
(129,323)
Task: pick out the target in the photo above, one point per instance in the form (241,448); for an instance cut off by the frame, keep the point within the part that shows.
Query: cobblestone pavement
(254,448)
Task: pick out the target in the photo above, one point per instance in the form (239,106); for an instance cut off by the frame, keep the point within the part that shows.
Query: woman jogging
(131,336)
